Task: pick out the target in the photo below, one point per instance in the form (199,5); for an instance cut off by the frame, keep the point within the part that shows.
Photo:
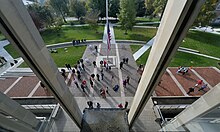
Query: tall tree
(60,7)
(149,7)
(127,14)
(207,13)
(77,8)
(114,8)
(41,15)
(92,19)
(159,6)
(97,5)
(140,8)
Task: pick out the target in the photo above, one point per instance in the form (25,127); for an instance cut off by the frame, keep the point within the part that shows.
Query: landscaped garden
(206,43)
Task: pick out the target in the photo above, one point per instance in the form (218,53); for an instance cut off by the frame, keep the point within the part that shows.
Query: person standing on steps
(191,89)
(97,75)
(128,79)
(94,64)
(121,65)
(102,75)
(126,60)
(96,49)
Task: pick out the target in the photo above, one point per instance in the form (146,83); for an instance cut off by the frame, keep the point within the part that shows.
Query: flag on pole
(108,37)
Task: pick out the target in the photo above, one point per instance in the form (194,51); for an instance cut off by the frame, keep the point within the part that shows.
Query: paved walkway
(5,54)
(143,49)
(199,54)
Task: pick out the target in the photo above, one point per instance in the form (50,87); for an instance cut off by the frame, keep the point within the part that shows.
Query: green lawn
(180,59)
(12,51)
(145,19)
(185,59)
(72,55)
(2,37)
(67,34)
(206,43)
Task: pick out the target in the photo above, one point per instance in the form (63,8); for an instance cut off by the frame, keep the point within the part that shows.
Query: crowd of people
(200,85)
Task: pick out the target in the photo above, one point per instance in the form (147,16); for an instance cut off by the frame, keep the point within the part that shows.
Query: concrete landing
(105,120)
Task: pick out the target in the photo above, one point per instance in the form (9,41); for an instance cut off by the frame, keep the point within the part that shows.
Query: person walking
(102,75)
(124,83)
(76,83)
(97,75)
(83,88)
(116,87)
(98,106)
(191,89)
(120,106)
(121,65)
(103,93)
(126,104)
(203,87)
(94,64)
(107,90)
(83,66)
(78,75)
(105,62)
(90,104)
(96,49)
(199,82)
(128,79)
(101,63)
(91,82)
(126,60)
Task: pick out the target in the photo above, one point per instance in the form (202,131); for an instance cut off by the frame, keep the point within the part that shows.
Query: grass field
(69,56)
(72,55)
(67,34)
(145,19)
(2,37)
(206,43)
(180,59)
(11,51)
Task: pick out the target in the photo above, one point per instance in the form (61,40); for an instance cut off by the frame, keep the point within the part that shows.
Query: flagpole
(107,27)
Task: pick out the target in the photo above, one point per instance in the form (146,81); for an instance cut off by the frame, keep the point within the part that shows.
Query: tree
(159,6)
(114,8)
(149,7)
(92,19)
(140,8)
(60,7)
(97,5)
(207,13)
(77,8)
(127,14)
(41,15)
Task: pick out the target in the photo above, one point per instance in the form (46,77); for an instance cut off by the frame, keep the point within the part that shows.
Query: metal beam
(12,108)
(177,19)
(13,125)
(200,107)
(18,27)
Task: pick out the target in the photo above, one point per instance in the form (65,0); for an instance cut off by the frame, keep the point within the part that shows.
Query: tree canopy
(60,7)
(114,8)
(155,7)
(140,8)
(97,5)
(77,8)
(40,15)
(127,14)
(207,13)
